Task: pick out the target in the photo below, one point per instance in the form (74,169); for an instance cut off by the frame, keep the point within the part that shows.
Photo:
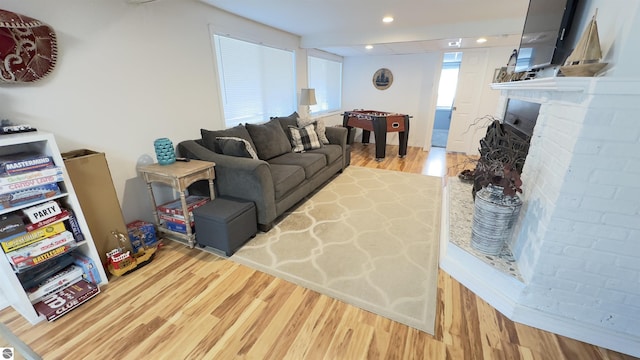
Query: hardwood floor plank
(472,325)
(312,328)
(265,346)
(320,344)
(396,342)
(295,323)
(191,304)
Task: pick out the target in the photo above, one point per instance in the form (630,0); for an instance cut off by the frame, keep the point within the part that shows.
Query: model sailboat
(584,60)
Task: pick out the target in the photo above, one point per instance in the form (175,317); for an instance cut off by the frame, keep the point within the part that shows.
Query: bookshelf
(10,284)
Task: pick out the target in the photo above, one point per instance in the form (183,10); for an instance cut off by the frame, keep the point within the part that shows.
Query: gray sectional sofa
(272,176)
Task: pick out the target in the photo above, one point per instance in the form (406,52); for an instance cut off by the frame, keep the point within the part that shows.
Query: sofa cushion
(285,178)
(331,152)
(209,137)
(320,127)
(286,121)
(304,138)
(311,163)
(235,146)
(269,139)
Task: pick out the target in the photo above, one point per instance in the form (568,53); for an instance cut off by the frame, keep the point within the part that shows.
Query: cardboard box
(141,231)
(91,179)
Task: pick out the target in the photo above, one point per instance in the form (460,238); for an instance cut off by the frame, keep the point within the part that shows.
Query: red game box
(175,207)
(57,304)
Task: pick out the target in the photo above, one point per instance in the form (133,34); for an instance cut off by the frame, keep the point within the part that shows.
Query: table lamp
(308,98)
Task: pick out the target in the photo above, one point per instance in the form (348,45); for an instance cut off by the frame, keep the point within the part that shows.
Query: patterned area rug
(369,238)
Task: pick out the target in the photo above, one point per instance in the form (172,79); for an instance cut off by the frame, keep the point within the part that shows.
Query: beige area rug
(369,238)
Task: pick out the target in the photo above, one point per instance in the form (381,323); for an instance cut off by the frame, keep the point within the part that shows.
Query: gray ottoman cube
(225,224)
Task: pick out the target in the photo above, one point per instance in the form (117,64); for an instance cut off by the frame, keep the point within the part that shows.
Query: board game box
(57,282)
(175,207)
(32,237)
(29,195)
(59,303)
(11,225)
(26,184)
(89,271)
(24,162)
(12,179)
(42,250)
(41,272)
(141,233)
(64,215)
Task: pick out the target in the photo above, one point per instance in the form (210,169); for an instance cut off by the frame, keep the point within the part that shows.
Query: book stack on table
(172,215)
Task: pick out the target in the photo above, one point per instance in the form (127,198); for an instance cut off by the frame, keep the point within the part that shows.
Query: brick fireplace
(577,241)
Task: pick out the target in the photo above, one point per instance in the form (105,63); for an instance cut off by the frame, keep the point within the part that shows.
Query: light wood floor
(189,304)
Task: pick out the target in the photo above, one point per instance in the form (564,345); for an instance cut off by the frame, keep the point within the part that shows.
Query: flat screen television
(545,35)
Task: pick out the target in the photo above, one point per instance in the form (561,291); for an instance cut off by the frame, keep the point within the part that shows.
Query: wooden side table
(179,176)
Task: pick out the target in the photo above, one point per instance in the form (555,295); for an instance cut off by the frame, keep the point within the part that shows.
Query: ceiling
(344,27)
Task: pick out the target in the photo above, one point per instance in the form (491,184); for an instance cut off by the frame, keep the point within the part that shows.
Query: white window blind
(325,76)
(256,81)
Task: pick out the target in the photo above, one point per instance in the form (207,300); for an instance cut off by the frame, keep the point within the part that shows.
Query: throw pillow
(304,138)
(320,128)
(209,137)
(269,139)
(235,146)
(286,121)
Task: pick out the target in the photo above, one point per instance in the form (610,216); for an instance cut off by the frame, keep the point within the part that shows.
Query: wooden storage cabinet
(10,285)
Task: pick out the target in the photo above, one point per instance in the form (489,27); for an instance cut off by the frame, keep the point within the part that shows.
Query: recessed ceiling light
(387,19)
(369,47)
(481,40)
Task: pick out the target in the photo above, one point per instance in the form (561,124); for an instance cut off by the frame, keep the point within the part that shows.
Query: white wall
(126,75)
(618,29)
(411,93)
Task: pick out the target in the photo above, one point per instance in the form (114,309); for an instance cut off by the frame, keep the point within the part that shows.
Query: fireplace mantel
(586,85)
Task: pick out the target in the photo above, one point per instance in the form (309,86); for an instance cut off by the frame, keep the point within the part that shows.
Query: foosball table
(380,123)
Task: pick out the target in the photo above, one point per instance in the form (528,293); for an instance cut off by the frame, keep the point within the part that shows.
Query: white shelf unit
(10,285)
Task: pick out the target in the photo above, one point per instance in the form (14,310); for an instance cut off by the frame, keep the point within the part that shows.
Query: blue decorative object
(165,153)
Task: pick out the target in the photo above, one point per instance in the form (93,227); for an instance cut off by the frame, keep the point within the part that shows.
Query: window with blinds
(256,81)
(325,76)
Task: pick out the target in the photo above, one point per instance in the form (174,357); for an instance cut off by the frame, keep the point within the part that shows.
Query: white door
(465,106)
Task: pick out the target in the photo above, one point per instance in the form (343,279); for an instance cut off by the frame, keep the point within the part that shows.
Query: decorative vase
(494,218)
(165,153)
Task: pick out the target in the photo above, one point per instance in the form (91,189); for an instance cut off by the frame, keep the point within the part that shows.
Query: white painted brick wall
(577,242)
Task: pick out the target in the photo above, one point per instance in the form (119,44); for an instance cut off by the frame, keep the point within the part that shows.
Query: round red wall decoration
(28,49)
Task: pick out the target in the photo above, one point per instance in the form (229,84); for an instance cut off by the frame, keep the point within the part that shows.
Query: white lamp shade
(308,97)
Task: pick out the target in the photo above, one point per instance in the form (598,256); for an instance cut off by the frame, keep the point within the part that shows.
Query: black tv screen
(544,37)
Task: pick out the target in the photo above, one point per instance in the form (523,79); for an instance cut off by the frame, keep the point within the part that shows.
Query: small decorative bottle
(165,153)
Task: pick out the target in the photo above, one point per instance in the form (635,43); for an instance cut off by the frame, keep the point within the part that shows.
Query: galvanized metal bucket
(494,218)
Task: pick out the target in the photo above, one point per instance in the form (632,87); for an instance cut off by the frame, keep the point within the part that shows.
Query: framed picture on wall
(382,79)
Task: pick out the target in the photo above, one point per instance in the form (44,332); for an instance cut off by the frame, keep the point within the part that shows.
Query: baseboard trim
(588,333)
(500,290)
